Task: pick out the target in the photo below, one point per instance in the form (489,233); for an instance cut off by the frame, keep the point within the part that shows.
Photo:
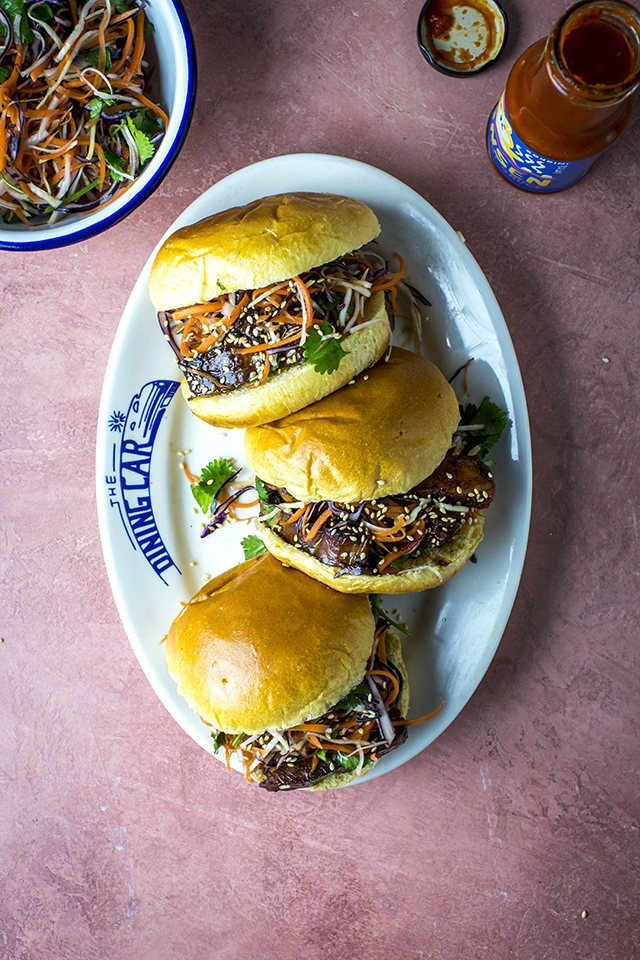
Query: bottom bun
(433,567)
(300,385)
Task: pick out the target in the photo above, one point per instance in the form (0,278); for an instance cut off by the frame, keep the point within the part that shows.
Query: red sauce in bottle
(568,97)
(597,53)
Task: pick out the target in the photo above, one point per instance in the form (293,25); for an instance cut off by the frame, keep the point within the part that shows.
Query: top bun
(377,437)
(260,243)
(264,647)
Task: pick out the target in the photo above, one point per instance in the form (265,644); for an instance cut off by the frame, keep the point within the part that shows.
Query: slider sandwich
(272,305)
(306,686)
(370,489)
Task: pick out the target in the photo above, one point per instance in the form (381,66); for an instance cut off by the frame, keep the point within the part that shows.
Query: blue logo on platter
(117,421)
(129,485)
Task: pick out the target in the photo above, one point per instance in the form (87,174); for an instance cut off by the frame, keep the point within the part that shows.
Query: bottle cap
(461,39)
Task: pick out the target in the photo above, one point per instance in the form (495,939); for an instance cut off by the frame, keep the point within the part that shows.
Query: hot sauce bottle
(568,97)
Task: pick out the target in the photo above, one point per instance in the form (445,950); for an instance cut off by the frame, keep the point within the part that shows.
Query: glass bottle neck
(592,55)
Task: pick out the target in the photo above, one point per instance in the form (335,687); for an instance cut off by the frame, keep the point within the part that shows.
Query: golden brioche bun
(263,647)
(394,655)
(433,567)
(377,437)
(285,392)
(262,242)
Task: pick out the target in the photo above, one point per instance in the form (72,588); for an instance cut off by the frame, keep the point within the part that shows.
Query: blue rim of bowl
(40,243)
(448,71)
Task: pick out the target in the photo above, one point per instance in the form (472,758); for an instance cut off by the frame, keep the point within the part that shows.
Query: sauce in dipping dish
(461,38)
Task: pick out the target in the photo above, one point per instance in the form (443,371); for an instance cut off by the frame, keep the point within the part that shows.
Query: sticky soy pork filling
(240,338)
(375,536)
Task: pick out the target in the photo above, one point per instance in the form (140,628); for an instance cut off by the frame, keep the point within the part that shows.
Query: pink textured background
(119,837)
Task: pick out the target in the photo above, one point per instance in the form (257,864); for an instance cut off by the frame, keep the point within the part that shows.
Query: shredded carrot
(305,517)
(330,745)
(228,322)
(214,336)
(258,347)
(153,106)
(295,516)
(238,504)
(382,647)
(191,477)
(127,47)
(314,529)
(187,330)
(306,300)
(389,284)
(102,57)
(394,555)
(198,309)
(399,522)
(428,716)
(134,66)
(396,686)
(311,727)
(365,727)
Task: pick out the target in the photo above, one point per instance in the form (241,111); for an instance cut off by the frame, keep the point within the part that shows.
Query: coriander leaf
(95,108)
(40,11)
(400,561)
(253,547)
(322,754)
(267,514)
(493,420)
(353,699)
(324,354)
(115,164)
(219,739)
(121,5)
(4,73)
(262,491)
(349,763)
(93,58)
(149,29)
(16,8)
(145,148)
(374,600)
(212,479)
(147,122)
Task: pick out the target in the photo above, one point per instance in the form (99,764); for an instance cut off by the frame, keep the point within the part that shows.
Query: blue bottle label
(523,166)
